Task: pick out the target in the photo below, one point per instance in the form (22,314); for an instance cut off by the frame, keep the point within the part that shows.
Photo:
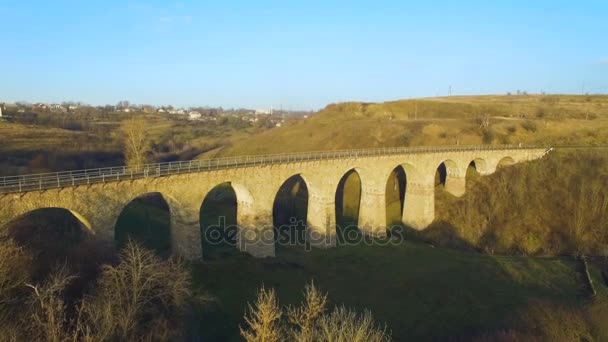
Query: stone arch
(447,168)
(147,219)
(348,201)
(411,171)
(407,177)
(479,165)
(27,211)
(451,177)
(505,161)
(220,216)
(52,235)
(394,195)
(84,222)
(290,210)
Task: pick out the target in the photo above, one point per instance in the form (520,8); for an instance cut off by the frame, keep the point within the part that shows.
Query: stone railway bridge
(97,197)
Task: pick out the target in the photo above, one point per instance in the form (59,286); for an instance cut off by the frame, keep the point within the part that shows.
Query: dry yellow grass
(439,121)
(18,137)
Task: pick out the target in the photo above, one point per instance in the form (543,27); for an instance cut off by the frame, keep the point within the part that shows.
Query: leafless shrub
(263,318)
(140,298)
(143,296)
(14,273)
(309,321)
(49,319)
(529,126)
(306,315)
(346,325)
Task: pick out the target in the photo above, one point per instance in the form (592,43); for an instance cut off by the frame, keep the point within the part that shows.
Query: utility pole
(450,91)
(583,89)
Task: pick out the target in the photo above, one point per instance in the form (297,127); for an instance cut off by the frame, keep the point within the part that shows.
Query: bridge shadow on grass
(422,293)
(444,234)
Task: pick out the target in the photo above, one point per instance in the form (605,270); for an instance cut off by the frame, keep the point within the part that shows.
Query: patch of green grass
(422,293)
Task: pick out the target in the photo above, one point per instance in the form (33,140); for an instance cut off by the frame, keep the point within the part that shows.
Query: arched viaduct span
(97,197)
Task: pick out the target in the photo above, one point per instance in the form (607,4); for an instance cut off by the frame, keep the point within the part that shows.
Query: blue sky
(297,54)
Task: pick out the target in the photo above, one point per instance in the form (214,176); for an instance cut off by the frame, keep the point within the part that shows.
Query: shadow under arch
(54,235)
(396,187)
(443,170)
(218,219)
(476,168)
(348,203)
(478,165)
(289,212)
(147,220)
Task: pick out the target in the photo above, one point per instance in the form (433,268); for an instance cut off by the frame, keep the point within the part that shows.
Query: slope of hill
(563,119)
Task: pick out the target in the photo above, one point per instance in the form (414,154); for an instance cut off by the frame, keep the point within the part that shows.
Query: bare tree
(306,315)
(310,321)
(123,104)
(484,121)
(263,319)
(143,298)
(136,142)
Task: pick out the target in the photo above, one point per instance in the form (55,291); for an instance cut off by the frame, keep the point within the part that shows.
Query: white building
(263,111)
(193,115)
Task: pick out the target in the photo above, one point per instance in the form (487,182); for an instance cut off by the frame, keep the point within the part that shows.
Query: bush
(15,266)
(406,139)
(540,113)
(487,136)
(309,321)
(142,298)
(529,126)
(263,318)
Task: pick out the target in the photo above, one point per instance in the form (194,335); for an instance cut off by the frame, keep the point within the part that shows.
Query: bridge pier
(186,237)
(321,222)
(419,208)
(455,185)
(372,211)
(256,231)
(185,230)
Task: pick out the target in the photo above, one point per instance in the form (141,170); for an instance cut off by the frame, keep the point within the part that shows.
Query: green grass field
(421,292)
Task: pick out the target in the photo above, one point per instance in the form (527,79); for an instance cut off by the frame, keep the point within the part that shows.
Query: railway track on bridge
(54,180)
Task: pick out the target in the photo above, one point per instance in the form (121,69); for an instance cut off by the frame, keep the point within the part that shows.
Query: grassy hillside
(97,142)
(440,121)
(556,205)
